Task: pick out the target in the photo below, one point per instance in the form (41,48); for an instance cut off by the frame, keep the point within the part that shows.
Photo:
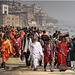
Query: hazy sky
(61,10)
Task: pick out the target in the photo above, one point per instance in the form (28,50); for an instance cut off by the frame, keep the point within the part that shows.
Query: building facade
(12,12)
(12,20)
(9,13)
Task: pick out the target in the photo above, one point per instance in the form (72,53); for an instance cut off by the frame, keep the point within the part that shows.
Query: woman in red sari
(62,54)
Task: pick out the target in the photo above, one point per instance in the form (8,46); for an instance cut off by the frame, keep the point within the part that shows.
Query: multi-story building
(21,15)
(12,20)
(43,18)
(3,9)
(13,5)
(35,13)
(29,9)
(8,19)
(9,12)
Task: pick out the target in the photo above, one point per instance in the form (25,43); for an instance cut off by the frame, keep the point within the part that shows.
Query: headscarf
(13,30)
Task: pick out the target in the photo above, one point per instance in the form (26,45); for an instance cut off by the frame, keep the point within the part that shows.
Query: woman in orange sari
(4,53)
(6,50)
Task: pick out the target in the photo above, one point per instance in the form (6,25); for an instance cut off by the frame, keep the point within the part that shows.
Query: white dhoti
(35,62)
(36,52)
(73,64)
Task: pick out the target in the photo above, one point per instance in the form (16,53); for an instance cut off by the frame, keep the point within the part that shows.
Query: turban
(2,40)
(13,30)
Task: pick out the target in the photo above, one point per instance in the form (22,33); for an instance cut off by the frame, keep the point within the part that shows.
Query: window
(8,18)
(5,12)
(16,18)
(8,21)
(16,7)
(5,7)
(12,18)
(0,7)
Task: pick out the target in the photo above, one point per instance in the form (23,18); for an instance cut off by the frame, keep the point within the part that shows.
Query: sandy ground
(17,67)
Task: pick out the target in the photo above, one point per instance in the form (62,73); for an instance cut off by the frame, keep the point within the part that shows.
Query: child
(56,52)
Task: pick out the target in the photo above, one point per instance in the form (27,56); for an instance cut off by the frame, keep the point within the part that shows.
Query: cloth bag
(22,56)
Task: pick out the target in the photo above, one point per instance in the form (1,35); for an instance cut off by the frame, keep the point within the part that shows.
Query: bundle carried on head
(66,34)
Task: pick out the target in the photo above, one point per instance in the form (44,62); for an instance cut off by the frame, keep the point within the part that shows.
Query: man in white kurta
(36,52)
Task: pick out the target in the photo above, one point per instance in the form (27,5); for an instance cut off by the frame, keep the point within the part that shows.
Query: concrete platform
(17,67)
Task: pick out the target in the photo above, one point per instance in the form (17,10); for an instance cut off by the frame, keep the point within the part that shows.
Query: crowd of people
(33,44)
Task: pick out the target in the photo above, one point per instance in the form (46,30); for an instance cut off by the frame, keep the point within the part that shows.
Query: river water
(66,28)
